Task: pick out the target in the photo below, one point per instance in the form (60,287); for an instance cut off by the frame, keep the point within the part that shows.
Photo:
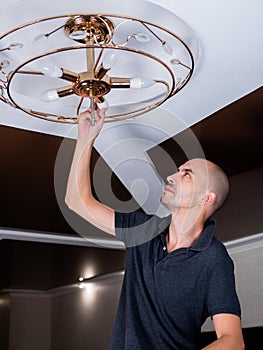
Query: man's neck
(184,230)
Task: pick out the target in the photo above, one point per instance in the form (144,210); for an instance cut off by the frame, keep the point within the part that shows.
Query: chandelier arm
(65,91)
(151,31)
(69,76)
(29,72)
(185,66)
(66,74)
(118,83)
(117,28)
(79,105)
(54,31)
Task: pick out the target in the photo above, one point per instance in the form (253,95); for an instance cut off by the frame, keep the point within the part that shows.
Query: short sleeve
(136,228)
(222,296)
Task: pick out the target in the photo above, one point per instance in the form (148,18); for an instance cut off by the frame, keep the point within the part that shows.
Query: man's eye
(187,174)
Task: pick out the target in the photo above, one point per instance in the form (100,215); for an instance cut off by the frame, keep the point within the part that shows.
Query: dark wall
(84,319)
(4,320)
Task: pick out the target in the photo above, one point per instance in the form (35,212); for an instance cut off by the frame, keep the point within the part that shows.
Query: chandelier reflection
(55,67)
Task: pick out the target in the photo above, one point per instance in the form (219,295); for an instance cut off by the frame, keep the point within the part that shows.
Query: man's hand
(86,131)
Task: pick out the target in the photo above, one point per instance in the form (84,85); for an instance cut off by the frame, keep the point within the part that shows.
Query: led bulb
(15,46)
(104,104)
(49,95)
(4,64)
(39,37)
(167,47)
(51,71)
(142,38)
(109,60)
(175,61)
(141,83)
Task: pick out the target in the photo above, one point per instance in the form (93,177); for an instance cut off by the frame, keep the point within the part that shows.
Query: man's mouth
(168,189)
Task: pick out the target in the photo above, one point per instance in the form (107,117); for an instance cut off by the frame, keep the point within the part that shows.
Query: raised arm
(79,196)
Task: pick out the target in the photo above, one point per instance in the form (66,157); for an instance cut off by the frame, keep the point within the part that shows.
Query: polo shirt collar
(205,239)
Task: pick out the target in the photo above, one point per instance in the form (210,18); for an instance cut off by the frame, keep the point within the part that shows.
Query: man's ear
(209,198)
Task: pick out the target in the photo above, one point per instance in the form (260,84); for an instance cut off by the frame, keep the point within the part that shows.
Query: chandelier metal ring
(73,119)
(98,32)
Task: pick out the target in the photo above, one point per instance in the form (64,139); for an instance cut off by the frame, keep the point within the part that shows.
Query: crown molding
(60,238)
(233,246)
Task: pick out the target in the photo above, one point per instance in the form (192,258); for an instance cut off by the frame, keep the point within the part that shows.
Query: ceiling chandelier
(65,57)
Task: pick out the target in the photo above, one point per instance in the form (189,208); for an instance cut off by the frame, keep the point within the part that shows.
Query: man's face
(186,187)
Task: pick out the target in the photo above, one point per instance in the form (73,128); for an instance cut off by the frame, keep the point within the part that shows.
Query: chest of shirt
(177,281)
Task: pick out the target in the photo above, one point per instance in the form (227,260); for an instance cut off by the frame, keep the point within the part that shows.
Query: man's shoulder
(137,227)
(218,250)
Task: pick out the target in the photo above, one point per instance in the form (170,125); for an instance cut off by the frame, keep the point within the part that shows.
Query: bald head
(218,183)
(216,180)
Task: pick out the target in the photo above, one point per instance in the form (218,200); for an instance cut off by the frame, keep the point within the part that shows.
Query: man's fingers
(84,115)
(98,114)
(102,112)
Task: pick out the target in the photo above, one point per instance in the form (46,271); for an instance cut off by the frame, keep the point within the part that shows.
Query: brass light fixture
(54,67)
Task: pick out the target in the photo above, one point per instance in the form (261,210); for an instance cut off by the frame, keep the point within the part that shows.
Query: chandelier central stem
(90,55)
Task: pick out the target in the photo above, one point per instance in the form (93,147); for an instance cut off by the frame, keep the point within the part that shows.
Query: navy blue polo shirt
(166,297)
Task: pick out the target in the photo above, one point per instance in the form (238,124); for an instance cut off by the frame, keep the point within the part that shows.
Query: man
(177,272)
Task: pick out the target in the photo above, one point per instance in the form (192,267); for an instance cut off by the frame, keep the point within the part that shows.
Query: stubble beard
(169,203)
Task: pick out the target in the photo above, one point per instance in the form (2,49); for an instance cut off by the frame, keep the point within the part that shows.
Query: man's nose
(170,179)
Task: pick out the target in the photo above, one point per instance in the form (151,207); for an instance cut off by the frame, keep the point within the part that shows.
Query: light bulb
(39,37)
(109,60)
(167,47)
(15,46)
(51,71)
(142,38)
(141,83)
(104,104)
(175,61)
(4,64)
(49,95)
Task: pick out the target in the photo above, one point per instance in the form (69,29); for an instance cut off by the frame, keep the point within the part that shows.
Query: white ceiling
(230,35)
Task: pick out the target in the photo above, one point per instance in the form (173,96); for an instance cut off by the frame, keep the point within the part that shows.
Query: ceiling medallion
(54,67)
